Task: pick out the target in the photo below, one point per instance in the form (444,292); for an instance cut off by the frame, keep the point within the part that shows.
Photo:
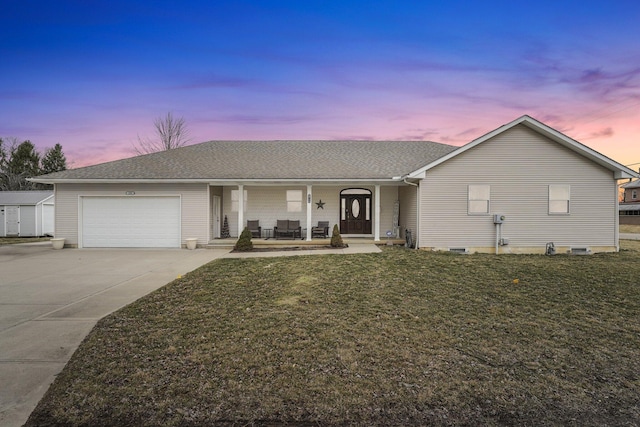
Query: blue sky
(94,75)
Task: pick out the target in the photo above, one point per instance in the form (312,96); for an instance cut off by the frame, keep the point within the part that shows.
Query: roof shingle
(268,160)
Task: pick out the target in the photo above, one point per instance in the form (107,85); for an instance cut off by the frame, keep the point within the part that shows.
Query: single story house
(26,213)
(630,206)
(512,190)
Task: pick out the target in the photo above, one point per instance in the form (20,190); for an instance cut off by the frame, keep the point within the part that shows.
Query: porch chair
(322,230)
(281,229)
(295,229)
(287,228)
(254,228)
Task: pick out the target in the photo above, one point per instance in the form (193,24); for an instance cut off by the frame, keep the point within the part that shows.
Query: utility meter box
(498,218)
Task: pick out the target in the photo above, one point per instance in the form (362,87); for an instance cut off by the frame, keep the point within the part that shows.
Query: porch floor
(273,243)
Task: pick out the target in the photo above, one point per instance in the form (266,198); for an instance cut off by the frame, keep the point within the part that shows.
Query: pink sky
(93,77)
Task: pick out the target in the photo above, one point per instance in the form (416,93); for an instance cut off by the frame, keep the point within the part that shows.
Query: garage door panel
(131,222)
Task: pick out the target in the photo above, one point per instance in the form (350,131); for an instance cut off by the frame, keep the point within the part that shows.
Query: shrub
(336,238)
(244,242)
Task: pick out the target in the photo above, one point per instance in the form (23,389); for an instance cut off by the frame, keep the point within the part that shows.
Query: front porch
(360,210)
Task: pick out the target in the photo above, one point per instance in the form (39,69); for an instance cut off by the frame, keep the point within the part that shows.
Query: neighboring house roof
(619,170)
(629,207)
(268,160)
(632,184)
(23,197)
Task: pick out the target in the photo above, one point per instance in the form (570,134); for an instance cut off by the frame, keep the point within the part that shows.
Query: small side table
(268,233)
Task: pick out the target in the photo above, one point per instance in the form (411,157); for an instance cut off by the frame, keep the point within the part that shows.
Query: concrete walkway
(629,236)
(353,248)
(51,299)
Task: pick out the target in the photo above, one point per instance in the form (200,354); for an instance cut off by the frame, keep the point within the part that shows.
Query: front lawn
(398,338)
(16,240)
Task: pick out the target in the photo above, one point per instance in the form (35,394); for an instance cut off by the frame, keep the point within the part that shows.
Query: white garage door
(131,222)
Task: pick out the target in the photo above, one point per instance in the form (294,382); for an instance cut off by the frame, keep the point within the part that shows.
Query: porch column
(240,209)
(309,200)
(376,216)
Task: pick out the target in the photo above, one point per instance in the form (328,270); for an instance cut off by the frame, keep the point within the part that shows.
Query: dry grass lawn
(627,228)
(16,240)
(398,338)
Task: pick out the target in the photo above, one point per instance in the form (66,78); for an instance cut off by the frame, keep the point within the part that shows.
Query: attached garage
(130,222)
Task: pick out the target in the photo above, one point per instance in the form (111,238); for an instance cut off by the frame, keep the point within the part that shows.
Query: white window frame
(634,194)
(294,200)
(235,200)
(478,199)
(559,199)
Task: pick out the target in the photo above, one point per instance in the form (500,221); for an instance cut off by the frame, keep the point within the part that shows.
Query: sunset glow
(94,75)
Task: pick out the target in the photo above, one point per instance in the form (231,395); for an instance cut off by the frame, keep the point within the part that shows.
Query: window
(294,200)
(634,194)
(559,198)
(479,196)
(235,201)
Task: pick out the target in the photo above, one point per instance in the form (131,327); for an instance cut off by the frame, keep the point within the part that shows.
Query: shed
(26,213)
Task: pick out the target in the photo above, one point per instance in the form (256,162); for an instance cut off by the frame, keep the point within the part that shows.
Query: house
(26,213)
(630,206)
(514,189)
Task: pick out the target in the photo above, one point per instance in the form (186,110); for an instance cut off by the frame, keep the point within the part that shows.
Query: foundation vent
(459,250)
(580,251)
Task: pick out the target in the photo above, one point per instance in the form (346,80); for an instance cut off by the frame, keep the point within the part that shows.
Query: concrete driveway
(51,299)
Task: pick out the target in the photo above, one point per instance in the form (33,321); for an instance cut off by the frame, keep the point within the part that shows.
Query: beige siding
(268,204)
(519,165)
(388,197)
(194,201)
(408,196)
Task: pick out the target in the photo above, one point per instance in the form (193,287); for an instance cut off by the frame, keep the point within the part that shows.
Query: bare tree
(170,133)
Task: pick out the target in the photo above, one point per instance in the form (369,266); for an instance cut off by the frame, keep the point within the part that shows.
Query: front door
(12,214)
(215,217)
(355,215)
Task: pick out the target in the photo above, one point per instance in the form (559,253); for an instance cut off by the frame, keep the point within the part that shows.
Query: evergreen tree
(224,233)
(54,160)
(336,238)
(24,160)
(244,243)
(19,162)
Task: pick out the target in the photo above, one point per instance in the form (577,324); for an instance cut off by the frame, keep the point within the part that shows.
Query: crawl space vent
(580,251)
(459,250)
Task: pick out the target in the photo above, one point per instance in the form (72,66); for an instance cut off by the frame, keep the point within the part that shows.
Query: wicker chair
(254,228)
(322,230)
(287,229)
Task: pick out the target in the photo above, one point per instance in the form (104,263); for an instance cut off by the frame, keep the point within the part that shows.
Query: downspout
(417,210)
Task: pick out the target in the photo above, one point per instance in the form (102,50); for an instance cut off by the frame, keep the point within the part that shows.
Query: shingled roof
(260,160)
(23,197)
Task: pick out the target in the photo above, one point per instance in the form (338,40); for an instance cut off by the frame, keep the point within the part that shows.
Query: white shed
(26,213)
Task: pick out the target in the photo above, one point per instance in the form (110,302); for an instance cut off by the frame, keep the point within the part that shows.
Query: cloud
(602,133)
(255,119)
(418,135)
(214,81)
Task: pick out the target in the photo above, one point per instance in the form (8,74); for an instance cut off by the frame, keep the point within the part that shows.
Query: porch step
(275,243)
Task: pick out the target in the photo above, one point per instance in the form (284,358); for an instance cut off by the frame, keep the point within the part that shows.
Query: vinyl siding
(519,165)
(194,204)
(388,197)
(408,209)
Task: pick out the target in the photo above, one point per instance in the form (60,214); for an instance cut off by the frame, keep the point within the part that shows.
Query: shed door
(131,222)
(12,214)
